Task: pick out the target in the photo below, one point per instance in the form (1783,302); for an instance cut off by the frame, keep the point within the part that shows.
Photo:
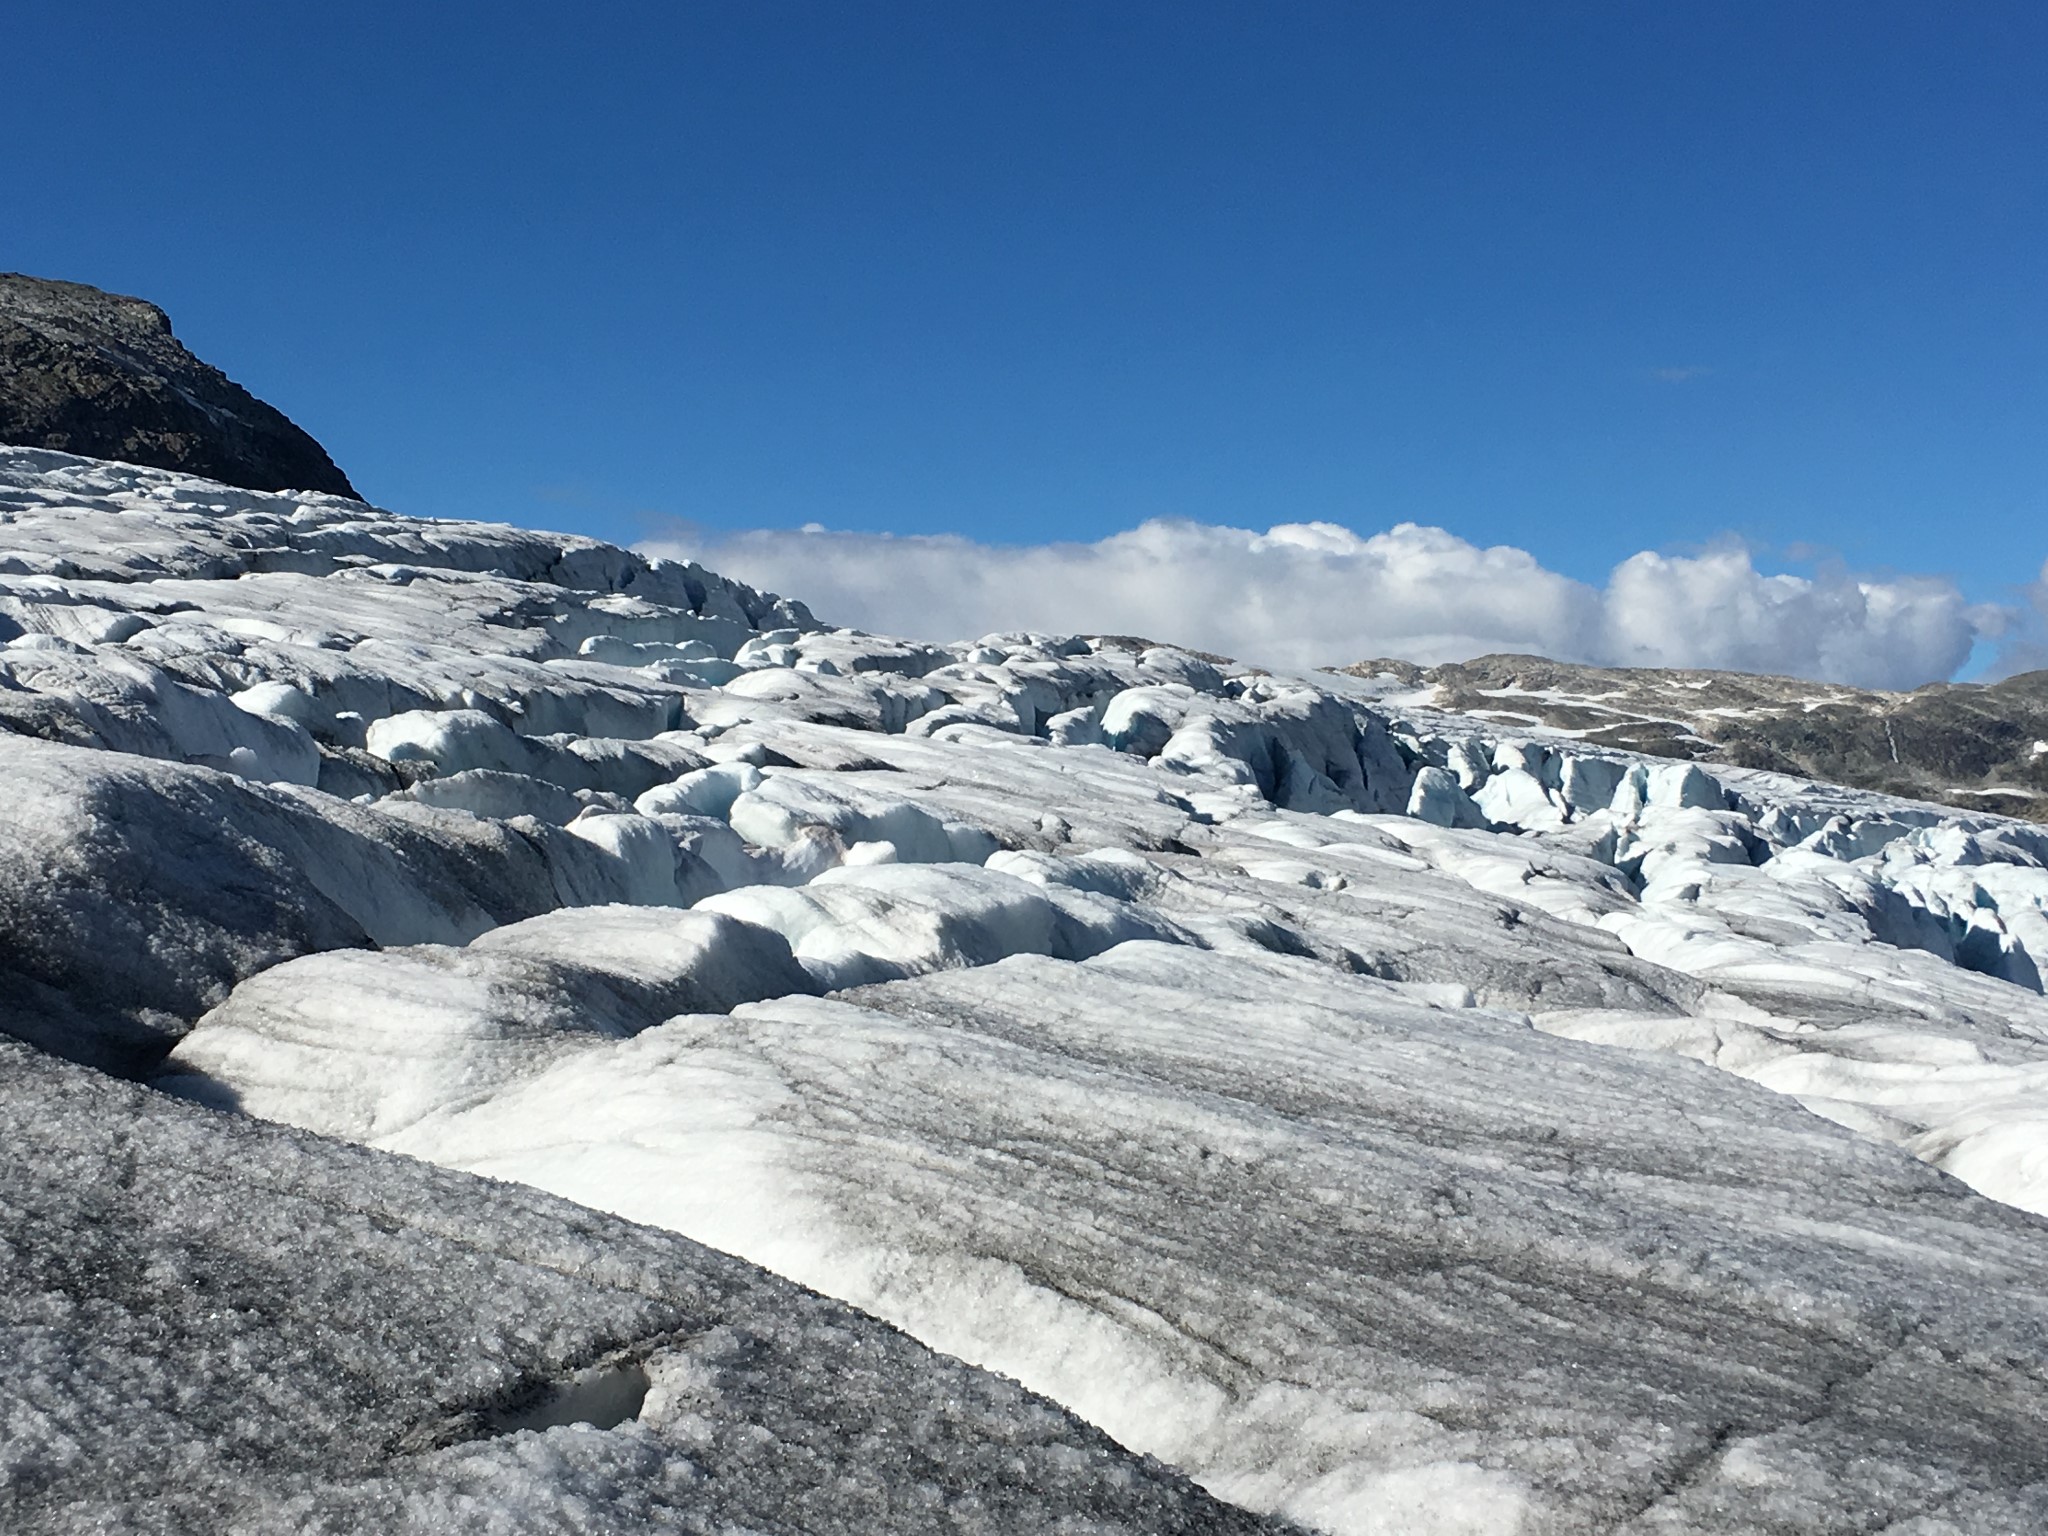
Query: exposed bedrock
(100,374)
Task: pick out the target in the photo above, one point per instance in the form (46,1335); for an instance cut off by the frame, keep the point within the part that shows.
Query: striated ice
(1306,1235)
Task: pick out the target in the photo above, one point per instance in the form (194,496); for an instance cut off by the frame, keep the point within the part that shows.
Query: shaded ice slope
(212,1325)
(1233,1057)
(134,893)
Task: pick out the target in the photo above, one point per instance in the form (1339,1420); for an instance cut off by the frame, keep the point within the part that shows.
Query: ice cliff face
(1392,1123)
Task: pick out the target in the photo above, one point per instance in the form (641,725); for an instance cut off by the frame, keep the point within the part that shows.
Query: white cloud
(2025,647)
(1718,610)
(1312,594)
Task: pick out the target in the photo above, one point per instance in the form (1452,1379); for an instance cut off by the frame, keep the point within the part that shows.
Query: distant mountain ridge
(1980,746)
(100,374)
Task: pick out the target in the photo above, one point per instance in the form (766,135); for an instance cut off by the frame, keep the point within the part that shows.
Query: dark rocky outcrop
(1974,745)
(101,375)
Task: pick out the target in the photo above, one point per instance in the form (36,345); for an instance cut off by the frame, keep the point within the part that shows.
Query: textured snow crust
(1393,1124)
(211,1325)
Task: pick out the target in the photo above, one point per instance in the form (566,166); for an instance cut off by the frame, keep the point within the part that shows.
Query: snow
(1393,1122)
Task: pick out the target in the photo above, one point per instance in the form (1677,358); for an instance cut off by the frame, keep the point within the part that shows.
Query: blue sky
(1588,279)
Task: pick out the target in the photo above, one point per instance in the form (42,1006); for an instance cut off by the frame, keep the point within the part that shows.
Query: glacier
(215,1325)
(1278,1103)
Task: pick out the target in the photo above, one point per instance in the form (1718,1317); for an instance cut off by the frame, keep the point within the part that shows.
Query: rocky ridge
(100,374)
(1976,746)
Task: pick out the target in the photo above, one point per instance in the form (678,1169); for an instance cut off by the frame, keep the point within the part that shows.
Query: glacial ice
(212,1325)
(1394,1124)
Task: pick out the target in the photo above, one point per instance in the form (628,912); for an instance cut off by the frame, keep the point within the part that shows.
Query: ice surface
(210,1325)
(359,1043)
(1314,1239)
(1396,1123)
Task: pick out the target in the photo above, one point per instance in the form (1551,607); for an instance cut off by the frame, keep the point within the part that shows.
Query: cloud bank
(1317,594)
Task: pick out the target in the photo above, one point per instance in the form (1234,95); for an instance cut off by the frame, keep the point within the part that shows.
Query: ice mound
(855,925)
(361,1043)
(134,893)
